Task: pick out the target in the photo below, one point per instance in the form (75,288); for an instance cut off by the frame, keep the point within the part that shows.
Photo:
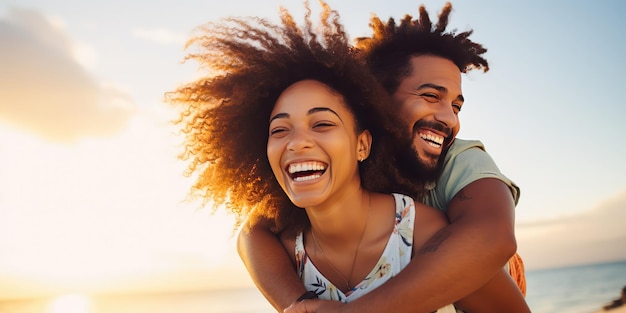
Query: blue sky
(87,158)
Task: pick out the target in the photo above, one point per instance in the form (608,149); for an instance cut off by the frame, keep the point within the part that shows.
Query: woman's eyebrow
(279,115)
(324,109)
(311,111)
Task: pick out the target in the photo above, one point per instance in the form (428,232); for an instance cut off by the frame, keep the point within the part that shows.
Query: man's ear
(364,145)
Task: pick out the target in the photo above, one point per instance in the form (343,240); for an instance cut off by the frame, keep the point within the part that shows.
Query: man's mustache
(432,125)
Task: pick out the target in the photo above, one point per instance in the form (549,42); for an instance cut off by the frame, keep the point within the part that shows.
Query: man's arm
(457,260)
(454,263)
(269,266)
(500,294)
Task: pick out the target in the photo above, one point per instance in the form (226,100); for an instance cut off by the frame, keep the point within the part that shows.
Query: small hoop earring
(361,159)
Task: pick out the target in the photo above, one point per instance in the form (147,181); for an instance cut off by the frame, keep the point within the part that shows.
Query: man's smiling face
(428,101)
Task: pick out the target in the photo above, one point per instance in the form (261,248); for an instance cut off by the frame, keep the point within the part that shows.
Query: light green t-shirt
(465,162)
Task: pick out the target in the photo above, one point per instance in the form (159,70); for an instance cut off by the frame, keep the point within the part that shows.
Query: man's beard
(419,167)
(415,168)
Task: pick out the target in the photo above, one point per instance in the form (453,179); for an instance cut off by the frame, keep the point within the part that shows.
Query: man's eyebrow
(440,89)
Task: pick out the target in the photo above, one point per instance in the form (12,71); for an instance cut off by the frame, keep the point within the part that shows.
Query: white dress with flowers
(395,257)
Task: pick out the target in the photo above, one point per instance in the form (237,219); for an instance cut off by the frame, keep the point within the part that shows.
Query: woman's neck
(341,220)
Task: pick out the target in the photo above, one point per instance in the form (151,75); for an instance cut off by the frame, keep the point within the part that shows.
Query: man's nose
(445,114)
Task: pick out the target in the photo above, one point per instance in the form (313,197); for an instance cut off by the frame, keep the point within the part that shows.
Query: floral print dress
(395,257)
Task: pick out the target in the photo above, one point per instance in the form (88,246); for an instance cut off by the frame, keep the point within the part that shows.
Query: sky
(93,197)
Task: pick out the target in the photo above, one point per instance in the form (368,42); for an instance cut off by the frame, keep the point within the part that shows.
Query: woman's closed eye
(323,125)
(278,131)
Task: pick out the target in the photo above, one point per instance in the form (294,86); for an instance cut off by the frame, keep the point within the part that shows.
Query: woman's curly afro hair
(225,115)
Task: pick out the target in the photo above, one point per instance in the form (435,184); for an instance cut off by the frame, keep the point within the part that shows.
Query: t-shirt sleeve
(468,166)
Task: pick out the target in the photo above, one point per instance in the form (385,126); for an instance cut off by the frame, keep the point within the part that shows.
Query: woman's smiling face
(313,147)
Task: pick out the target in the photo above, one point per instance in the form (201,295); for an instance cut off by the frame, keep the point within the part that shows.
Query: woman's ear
(364,145)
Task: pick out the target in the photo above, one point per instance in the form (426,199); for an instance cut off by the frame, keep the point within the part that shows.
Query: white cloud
(161,36)
(86,56)
(45,90)
(592,236)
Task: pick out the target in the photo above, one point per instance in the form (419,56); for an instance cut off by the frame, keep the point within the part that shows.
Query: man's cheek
(456,129)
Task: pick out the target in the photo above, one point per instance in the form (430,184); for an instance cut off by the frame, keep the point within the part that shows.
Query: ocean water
(578,289)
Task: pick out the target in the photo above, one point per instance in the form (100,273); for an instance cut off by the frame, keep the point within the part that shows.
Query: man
(420,66)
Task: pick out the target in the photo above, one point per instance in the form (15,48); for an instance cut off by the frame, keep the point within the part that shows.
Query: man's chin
(429,170)
(428,163)
(421,168)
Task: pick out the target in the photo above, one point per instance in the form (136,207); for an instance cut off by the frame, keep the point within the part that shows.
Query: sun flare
(70,303)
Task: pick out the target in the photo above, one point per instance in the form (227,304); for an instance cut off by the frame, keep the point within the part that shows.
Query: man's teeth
(306,166)
(432,139)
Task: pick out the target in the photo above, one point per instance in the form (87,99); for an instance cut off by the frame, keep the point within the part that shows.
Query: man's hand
(269,266)
(304,306)
(315,306)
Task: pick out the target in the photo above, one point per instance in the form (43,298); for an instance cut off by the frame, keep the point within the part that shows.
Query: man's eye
(456,108)
(430,97)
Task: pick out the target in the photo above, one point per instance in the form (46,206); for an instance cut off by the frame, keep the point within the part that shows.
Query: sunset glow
(70,303)
(93,196)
